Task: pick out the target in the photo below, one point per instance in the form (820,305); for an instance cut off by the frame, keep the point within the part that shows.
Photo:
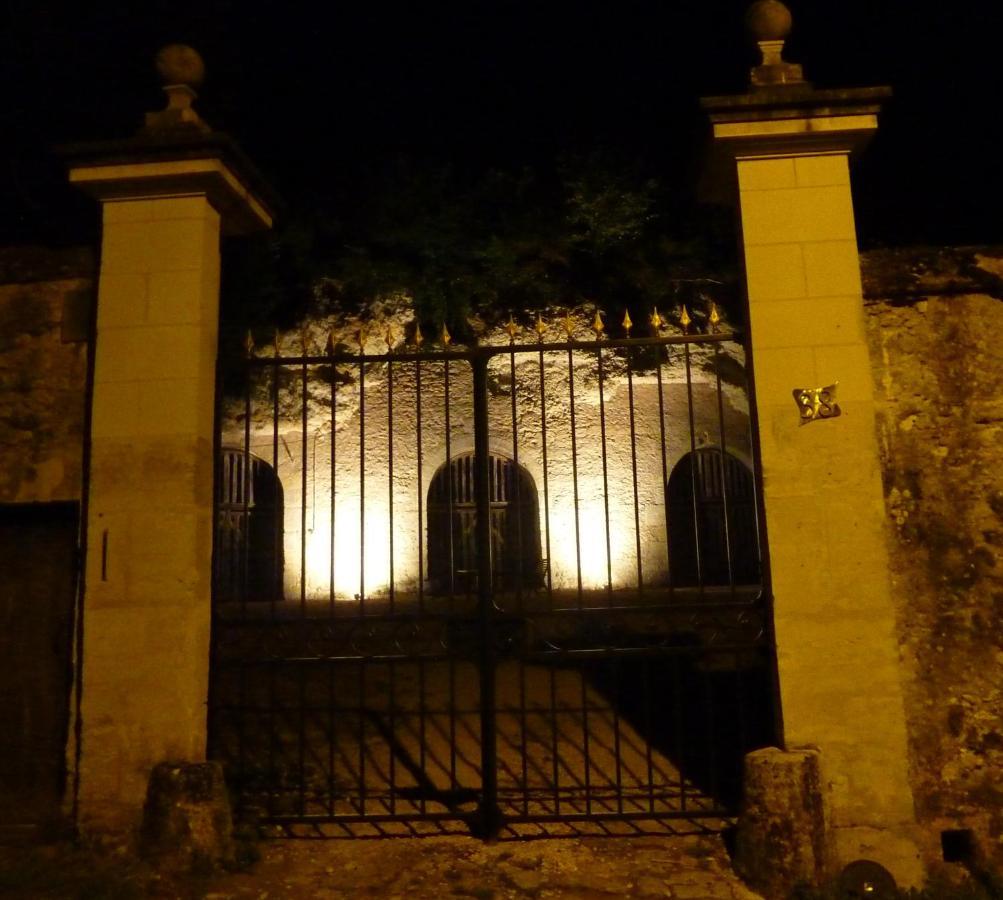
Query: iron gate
(482,606)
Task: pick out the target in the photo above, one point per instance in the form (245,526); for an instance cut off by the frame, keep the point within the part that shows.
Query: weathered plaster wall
(934,324)
(308,516)
(45,300)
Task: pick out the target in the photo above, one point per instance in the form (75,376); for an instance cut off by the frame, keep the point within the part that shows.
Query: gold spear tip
(249,343)
(627,323)
(389,336)
(447,338)
(540,327)
(597,325)
(684,318)
(511,328)
(419,338)
(714,316)
(656,319)
(568,324)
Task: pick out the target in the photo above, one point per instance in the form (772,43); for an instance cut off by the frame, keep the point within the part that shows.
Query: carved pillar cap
(769,22)
(181,70)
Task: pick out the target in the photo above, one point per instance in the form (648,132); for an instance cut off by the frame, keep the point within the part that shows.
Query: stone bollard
(781,839)
(186,818)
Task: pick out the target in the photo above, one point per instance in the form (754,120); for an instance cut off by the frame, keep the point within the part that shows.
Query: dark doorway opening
(452,525)
(714,538)
(249,529)
(38,584)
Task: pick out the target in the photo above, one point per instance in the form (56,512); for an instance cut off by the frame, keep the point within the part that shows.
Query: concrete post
(166,195)
(788,146)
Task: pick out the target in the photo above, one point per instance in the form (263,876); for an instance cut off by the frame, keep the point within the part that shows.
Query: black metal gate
(476,610)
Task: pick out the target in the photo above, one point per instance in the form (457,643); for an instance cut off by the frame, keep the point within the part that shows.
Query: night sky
(314,93)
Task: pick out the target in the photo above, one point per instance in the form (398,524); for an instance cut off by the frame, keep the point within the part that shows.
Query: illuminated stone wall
(308,499)
(45,300)
(934,322)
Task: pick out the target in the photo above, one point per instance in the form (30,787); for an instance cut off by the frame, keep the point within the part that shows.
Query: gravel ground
(690,867)
(682,867)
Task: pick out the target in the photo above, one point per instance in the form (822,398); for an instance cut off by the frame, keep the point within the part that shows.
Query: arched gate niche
(713,534)
(452,521)
(249,528)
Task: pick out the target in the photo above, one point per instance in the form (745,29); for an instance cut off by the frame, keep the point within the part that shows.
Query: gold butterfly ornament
(817,403)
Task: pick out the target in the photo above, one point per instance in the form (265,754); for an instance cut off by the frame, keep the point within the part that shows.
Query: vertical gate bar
(271,785)
(605,475)
(449,491)
(331,725)
(586,748)
(490,815)
(303,482)
(453,786)
(524,755)
(633,469)
(421,498)
(333,722)
(333,488)
(362,735)
(241,666)
(392,764)
(617,761)
(740,701)
(301,671)
(278,591)
(244,538)
(678,721)
(555,759)
(648,758)
(516,477)
(711,744)
(665,464)
(422,735)
(451,564)
(546,480)
(574,472)
(362,487)
(390,474)
(724,469)
(241,733)
(301,750)
(693,468)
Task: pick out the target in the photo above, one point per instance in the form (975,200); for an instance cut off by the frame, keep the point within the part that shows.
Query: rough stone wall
(45,300)
(934,324)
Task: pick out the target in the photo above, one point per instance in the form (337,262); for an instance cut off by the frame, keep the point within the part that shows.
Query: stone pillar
(787,146)
(165,195)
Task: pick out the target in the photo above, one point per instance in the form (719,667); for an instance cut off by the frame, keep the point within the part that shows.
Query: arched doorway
(452,521)
(713,534)
(249,526)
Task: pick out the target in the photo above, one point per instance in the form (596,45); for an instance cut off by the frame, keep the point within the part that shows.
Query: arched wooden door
(713,534)
(452,521)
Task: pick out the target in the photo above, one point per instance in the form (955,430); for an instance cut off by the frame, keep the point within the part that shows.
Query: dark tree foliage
(585,230)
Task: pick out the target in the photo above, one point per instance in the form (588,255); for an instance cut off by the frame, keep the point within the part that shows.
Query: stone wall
(934,321)
(46,298)
(934,325)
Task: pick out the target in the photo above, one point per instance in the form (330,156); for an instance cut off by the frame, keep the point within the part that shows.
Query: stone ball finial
(768,20)
(180,64)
